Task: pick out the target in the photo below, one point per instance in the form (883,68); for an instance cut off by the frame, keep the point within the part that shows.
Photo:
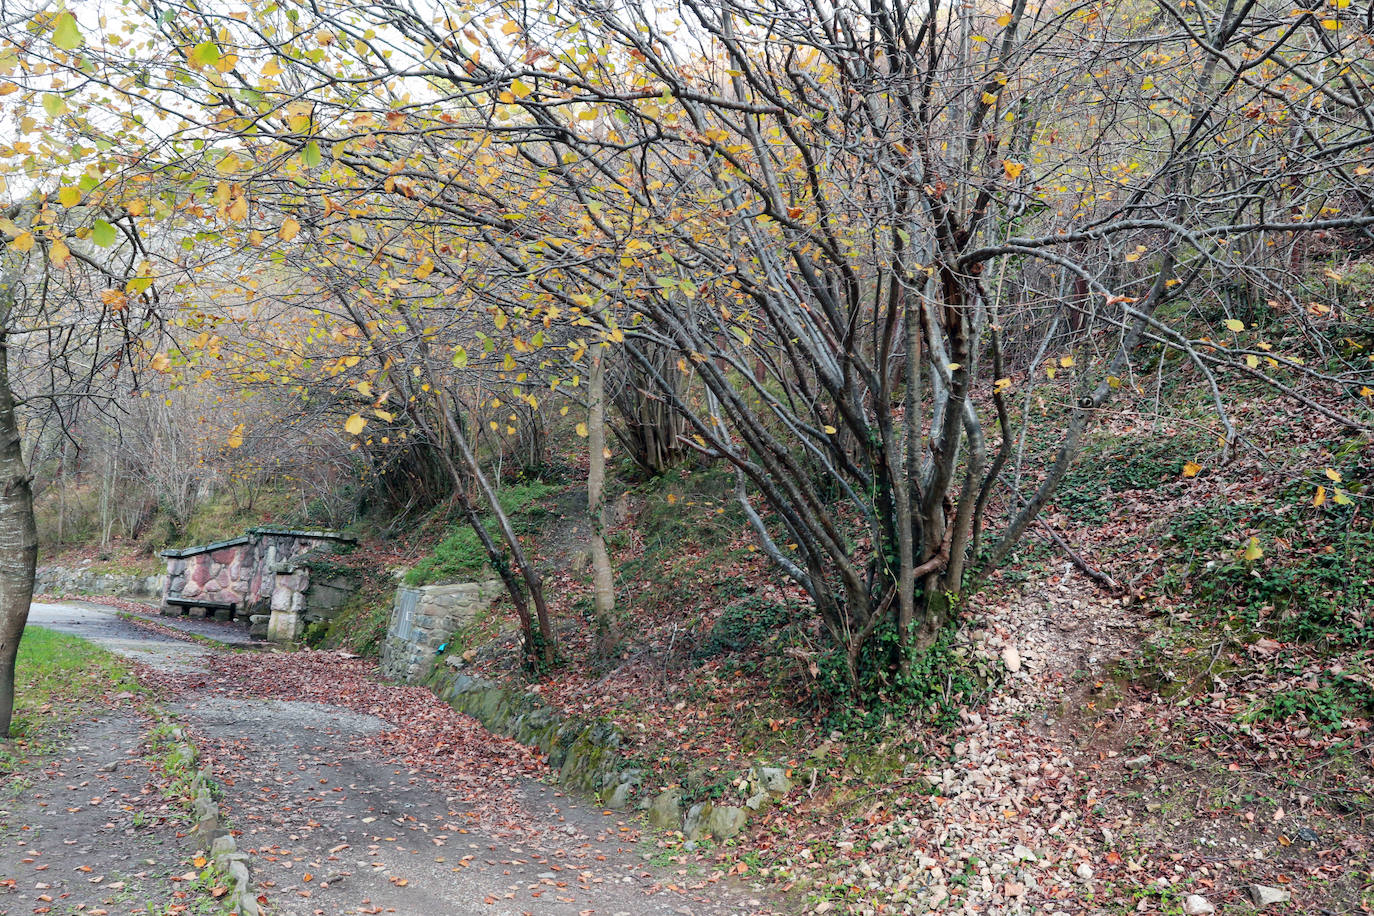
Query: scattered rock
(1138,763)
(1263,895)
(773,780)
(1012,659)
(1023,853)
(665,812)
(620,797)
(726,821)
(1084,871)
(698,817)
(1197,905)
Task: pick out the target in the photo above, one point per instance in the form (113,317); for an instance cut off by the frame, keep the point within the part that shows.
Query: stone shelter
(275,579)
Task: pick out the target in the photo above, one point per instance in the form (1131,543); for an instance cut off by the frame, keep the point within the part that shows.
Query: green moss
(459,556)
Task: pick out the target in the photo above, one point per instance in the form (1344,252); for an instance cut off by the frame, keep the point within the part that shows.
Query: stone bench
(175,605)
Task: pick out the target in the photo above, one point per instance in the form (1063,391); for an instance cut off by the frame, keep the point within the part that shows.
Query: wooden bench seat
(221,610)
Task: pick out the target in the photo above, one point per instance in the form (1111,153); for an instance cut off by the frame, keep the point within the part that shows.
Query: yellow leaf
(424,270)
(271,68)
(1066,361)
(1333,475)
(22,242)
(69,196)
(1252,361)
(354,424)
(1012,169)
(1338,497)
(1253,551)
(1320,497)
(1001,385)
(519,89)
(1004,20)
(1331,25)
(59,253)
(238,209)
(505,97)
(582,430)
(829,430)
(161,363)
(989,98)
(1235,324)
(1191,468)
(289,229)
(510,28)
(236,436)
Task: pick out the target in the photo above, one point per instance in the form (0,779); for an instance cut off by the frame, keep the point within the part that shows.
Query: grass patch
(56,680)
(459,556)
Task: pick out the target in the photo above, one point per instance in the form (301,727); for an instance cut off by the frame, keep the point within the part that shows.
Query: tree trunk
(603,578)
(18,534)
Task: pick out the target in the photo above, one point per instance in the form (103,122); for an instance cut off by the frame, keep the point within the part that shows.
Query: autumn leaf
(288,230)
(1339,498)
(103,233)
(205,54)
(161,363)
(582,430)
(68,196)
(1253,551)
(65,33)
(311,154)
(1333,475)
(354,424)
(1235,324)
(1320,496)
(22,242)
(59,253)
(1012,169)
(236,437)
(1191,468)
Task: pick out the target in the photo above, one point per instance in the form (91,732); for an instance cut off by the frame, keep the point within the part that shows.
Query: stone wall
(277,579)
(424,617)
(59,580)
(586,755)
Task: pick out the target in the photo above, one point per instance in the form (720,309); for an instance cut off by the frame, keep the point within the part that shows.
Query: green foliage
(1311,583)
(1133,464)
(937,682)
(460,555)
(1324,707)
(360,625)
(749,623)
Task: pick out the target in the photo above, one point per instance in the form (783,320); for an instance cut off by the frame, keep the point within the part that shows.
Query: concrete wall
(424,617)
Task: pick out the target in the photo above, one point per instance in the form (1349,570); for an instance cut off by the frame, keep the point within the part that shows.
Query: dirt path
(91,831)
(341,815)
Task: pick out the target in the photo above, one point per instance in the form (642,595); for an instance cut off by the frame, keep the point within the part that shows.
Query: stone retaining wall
(423,618)
(59,580)
(586,755)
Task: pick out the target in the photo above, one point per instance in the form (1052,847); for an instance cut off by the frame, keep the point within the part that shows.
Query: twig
(1096,575)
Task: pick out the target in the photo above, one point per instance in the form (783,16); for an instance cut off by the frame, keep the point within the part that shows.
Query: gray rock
(726,821)
(1138,763)
(773,780)
(665,812)
(1262,895)
(1011,659)
(758,801)
(1084,871)
(620,796)
(1197,905)
(698,817)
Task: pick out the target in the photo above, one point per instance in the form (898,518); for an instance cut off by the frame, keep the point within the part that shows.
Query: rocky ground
(1073,793)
